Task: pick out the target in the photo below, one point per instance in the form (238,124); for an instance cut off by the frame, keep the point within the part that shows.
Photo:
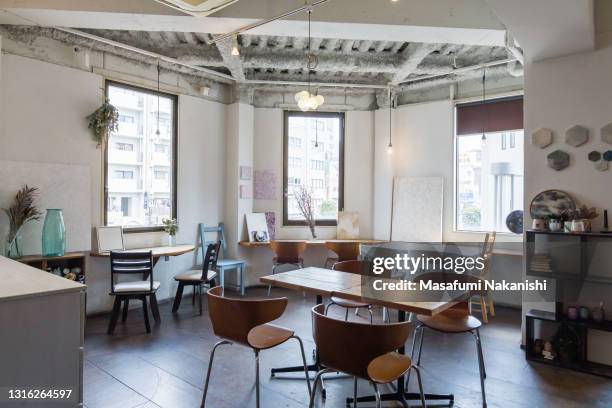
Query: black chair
(133,263)
(198,277)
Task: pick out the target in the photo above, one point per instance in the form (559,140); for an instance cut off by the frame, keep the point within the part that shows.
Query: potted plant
(305,204)
(103,122)
(581,218)
(171,228)
(22,211)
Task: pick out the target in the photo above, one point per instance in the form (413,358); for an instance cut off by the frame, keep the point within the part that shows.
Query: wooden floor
(166,368)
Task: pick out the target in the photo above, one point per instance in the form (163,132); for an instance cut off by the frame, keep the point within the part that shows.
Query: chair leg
(481,356)
(193,296)
(304,361)
(354,392)
(416,332)
(126,304)
(114,315)
(371,316)
(145,310)
(327,308)
(490,302)
(221,274)
(241,280)
(318,378)
(270,286)
(346,315)
(257,378)
(178,297)
(154,308)
(421,345)
(483,309)
(210,362)
(200,298)
(377,395)
(421,393)
(480,367)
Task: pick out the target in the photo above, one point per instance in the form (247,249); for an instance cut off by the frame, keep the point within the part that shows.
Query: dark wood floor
(166,368)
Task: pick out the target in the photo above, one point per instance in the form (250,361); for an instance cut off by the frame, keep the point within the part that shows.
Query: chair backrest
(288,251)
(356,267)
(349,346)
(210,259)
(233,318)
(346,251)
(219,236)
(131,263)
(487,252)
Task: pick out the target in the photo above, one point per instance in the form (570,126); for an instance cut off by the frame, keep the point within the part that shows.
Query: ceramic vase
(171,240)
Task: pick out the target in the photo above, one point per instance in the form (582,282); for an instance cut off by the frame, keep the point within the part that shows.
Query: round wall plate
(551,202)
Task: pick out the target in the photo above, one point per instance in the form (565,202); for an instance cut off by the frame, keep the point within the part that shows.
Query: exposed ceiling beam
(231,62)
(415,54)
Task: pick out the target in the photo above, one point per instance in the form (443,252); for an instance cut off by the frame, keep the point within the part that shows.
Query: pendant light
(157,132)
(390,145)
(307,101)
(235,49)
(316,133)
(484,82)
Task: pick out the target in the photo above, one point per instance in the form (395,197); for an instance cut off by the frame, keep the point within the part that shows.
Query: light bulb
(320,99)
(302,104)
(235,50)
(390,149)
(301,95)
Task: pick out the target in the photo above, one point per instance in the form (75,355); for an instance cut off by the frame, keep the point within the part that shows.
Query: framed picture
(257,227)
(109,239)
(245,172)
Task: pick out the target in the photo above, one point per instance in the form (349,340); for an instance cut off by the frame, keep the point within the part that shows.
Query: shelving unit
(68,260)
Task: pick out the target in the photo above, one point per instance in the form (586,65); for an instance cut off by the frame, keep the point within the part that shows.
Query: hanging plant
(103,122)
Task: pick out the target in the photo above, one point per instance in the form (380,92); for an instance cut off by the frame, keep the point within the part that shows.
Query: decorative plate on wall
(551,202)
(514,221)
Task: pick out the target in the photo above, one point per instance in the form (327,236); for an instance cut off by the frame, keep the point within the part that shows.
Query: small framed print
(245,172)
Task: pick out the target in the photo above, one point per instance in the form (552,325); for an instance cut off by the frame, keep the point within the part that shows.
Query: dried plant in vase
(103,122)
(305,203)
(581,218)
(22,211)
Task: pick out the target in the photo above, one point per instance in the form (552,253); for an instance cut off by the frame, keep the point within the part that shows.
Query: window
(320,169)
(489,180)
(138,193)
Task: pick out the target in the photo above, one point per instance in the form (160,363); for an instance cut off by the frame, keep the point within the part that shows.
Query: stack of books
(540,263)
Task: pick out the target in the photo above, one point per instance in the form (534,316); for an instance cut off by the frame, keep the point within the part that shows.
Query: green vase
(54,233)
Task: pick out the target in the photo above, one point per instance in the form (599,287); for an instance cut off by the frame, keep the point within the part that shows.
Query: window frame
(290,113)
(174,140)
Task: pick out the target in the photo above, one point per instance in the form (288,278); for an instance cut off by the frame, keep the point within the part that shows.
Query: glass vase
(14,249)
(54,233)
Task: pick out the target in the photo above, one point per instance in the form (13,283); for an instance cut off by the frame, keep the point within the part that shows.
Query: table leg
(400,395)
(241,272)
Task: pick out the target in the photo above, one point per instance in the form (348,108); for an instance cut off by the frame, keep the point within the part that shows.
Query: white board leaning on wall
(417,209)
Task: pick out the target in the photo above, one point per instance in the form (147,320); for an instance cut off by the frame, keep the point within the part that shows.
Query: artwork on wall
(271,221)
(109,239)
(348,225)
(606,133)
(245,191)
(558,160)
(576,136)
(551,202)
(257,227)
(514,221)
(245,172)
(417,209)
(265,185)
(542,138)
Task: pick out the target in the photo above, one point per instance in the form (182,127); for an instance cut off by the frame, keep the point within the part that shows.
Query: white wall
(44,111)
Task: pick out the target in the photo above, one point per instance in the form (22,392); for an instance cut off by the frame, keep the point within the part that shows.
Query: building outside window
(314,159)
(140,164)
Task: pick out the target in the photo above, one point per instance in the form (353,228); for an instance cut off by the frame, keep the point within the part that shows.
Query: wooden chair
(454,320)
(287,253)
(223,264)
(246,322)
(484,300)
(133,263)
(344,250)
(366,351)
(355,267)
(198,277)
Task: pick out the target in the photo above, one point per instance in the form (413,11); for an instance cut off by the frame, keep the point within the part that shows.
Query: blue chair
(222,263)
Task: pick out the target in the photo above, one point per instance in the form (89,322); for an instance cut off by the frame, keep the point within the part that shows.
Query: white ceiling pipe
(314,84)
(458,70)
(515,68)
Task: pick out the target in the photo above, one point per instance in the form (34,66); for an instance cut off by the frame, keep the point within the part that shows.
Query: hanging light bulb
(157,132)
(390,145)
(484,81)
(307,101)
(235,49)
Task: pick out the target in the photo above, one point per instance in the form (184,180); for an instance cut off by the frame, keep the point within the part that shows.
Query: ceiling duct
(198,8)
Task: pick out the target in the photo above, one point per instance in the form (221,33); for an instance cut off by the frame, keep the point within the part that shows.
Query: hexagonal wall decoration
(558,160)
(601,165)
(594,156)
(542,137)
(606,133)
(607,156)
(576,136)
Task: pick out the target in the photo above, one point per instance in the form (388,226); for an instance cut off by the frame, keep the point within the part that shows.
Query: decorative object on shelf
(538,346)
(558,160)
(594,156)
(599,314)
(555,223)
(572,313)
(305,99)
(601,165)
(607,156)
(578,226)
(567,343)
(110,238)
(103,122)
(542,138)
(584,313)
(22,210)
(305,203)
(271,222)
(257,227)
(606,229)
(606,133)
(551,202)
(538,224)
(514,221)
(54,233)
(581,218)
(548,352)
(265,185)
(245,172)
(348,225)
(171,228)
(576,136)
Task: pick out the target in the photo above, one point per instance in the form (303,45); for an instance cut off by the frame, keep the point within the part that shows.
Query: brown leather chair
(344,250)
(198,277)
(355,267)
(366,351)
(246,322)
(287,253)
(456,319)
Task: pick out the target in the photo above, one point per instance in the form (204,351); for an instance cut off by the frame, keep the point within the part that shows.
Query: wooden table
(327,282)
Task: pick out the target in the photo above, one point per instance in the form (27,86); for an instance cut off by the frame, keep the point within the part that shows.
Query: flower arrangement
(170,226)
(103,122)
(305,204)
(22,211)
